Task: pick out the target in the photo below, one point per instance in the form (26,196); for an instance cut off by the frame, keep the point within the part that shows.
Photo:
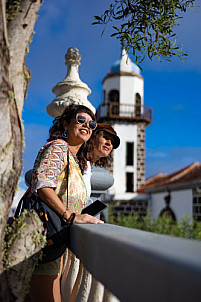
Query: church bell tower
(123,108)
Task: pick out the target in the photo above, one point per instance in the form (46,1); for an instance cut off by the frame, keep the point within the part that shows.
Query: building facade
(183,187)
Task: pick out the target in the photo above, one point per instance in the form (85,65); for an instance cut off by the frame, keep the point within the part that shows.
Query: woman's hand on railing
(86,218)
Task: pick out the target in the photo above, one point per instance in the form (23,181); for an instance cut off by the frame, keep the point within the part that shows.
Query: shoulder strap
(67,174)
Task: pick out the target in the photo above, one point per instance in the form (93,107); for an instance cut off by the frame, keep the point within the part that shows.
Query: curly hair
(57,129)
(87,148)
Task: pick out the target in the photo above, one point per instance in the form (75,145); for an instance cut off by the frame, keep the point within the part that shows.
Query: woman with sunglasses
(49,181)
(97,151)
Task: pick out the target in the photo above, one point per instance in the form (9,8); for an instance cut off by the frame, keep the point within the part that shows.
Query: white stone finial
(71,90)
(72,56)
(126,63)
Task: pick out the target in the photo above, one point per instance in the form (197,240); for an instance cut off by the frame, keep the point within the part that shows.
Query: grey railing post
(101,181)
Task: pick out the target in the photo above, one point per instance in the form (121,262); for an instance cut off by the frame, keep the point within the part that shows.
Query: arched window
(113,97)
(138,99)
(138,104)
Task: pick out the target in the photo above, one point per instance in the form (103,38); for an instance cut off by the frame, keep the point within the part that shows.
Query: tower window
(138,104)
(138,99)
(129,154)
(103,96)
(114,96)
(114,102)
(129,182)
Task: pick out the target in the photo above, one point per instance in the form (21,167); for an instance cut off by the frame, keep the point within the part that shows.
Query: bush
(161,225)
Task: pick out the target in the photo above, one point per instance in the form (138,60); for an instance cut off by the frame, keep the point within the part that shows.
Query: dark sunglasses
(108,138)
(82,120)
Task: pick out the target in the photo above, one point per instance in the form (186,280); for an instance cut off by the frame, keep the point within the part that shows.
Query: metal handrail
(114,110)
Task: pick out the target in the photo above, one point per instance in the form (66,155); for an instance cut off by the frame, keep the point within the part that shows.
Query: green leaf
(114,34)
(116,28)
(98,18)
(147,26)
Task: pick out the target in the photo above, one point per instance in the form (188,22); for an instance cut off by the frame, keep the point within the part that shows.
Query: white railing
(108,261)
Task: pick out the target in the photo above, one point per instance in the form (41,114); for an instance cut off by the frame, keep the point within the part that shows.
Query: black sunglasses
(109,138)
(82,120)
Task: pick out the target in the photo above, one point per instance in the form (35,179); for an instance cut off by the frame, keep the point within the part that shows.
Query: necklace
(74,156)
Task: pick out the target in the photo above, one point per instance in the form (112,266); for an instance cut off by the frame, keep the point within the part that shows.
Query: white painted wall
(112,83)
(129,86)
(127,133)
(181,203)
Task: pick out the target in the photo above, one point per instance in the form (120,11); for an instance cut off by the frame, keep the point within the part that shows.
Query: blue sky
(172,89)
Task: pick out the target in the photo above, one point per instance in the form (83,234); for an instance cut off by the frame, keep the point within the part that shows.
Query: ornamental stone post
(71,90)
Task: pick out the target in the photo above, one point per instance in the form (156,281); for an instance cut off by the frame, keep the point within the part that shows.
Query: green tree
(147,27)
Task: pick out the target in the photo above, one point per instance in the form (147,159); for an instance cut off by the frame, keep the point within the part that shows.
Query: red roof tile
(188,174)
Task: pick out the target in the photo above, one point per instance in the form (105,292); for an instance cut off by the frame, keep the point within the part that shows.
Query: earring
(65,134)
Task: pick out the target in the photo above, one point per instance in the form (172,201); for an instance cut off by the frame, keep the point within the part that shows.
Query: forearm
(49,196)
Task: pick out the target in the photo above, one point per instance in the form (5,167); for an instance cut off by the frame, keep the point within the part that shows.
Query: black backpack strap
(67,175)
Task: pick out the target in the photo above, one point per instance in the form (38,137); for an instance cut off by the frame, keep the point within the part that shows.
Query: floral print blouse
(50,170)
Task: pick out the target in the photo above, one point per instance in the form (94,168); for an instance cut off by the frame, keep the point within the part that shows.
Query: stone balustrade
(112,263)
(79,285)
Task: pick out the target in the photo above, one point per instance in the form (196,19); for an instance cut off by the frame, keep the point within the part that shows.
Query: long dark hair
(87,148)
(57,129)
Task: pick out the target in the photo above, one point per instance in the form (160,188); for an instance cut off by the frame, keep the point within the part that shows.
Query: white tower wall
(127,133)
(112,83)
(126,114)
(129,86)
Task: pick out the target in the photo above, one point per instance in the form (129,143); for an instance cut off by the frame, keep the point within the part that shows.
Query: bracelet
(69,221)
(64,214)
